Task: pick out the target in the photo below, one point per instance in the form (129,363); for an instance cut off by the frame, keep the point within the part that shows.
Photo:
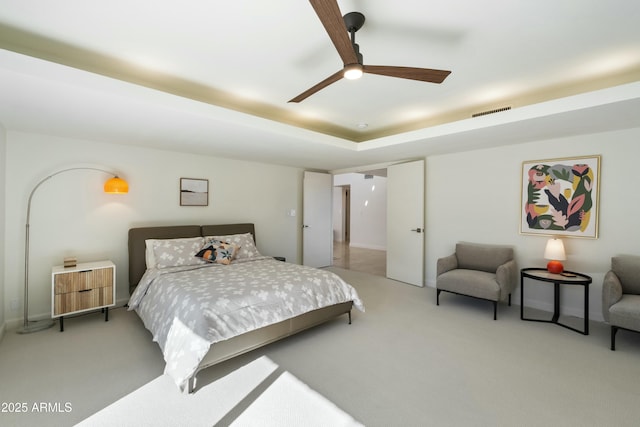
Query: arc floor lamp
(114,185)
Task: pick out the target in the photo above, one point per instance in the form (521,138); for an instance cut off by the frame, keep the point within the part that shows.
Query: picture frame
(194,192)
(561,197)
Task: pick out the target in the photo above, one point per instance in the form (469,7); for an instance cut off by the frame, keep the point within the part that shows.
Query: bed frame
(242,343)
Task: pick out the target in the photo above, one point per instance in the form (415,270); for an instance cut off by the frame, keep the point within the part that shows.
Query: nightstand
(85,287)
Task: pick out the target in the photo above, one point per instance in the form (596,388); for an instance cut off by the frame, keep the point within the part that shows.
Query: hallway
(360,259)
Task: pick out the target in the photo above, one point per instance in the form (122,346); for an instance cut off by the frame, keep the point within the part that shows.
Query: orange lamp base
(555,267)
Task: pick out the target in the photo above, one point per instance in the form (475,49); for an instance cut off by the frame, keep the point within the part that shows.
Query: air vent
(368,177)
(497,110)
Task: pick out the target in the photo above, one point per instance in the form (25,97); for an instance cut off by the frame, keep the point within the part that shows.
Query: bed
(189,304)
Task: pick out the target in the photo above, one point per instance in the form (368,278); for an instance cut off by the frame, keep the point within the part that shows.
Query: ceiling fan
(339,28)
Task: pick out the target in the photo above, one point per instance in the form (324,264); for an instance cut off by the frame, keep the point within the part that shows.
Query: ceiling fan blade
(421,74)
(326,82)
(331,18)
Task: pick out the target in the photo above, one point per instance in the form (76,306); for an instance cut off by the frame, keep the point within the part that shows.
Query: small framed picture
(561,197)
(194,192)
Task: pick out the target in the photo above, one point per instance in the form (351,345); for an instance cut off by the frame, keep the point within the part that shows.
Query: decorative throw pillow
(217,251)
(176,252)
(246,245)
(208,253)
(225,253)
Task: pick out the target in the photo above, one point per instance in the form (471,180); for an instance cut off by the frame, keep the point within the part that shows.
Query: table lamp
(555,253)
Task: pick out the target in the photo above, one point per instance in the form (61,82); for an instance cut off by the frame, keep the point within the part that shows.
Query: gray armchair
(621,295)
(487,272)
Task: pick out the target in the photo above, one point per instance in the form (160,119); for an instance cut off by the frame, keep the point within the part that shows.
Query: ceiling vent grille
(497,110)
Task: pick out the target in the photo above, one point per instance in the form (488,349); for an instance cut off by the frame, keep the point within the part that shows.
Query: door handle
(305,226)
(417,230)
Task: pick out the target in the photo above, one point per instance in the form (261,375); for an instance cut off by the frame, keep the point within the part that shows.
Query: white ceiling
(215,77)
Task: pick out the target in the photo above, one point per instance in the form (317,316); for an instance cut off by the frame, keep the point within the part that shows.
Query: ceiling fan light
(353,71)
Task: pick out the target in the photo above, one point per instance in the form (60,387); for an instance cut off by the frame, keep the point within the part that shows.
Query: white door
(405,222)
(317,227)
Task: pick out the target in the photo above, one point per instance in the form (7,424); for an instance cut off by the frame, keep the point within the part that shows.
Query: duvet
(188,309)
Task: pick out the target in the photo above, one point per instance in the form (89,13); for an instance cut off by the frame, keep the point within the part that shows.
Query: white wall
(3,163)
(71,216)
(475,196)
(338,214)
(368,210)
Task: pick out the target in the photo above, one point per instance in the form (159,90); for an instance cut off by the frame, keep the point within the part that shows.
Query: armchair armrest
(611,292)
(506,276)
(447,263)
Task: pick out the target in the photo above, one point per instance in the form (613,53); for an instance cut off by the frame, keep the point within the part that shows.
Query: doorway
(342,213)
(359,222)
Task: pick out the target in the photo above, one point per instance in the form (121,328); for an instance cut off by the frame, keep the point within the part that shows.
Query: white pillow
(245,241)
(164,253)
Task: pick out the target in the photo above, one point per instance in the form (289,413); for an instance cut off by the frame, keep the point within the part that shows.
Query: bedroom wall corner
(3,183)
(73,217)
(476,196)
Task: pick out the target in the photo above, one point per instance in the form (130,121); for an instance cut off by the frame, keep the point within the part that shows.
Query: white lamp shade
(555,250)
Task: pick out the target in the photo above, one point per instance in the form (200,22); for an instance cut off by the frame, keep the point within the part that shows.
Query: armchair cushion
(621,295)
(446,264)
(478,270)
(611,292)
(506,275)
(474,256)
(621,292)
(627,268)
(626,312)
(474,283)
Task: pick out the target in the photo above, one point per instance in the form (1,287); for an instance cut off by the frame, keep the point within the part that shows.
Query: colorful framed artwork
(561,197)
(194,192)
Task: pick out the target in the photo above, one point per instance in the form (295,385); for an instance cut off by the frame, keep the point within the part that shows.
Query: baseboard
(13,324)
(545,306)
(366,246)
(564,311)
(16,322)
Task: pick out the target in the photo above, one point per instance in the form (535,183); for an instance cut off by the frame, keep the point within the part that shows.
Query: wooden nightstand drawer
(83,280)
(83,300)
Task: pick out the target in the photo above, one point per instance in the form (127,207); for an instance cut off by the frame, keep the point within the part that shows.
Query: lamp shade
(555,253)
(116,185)
(555,250)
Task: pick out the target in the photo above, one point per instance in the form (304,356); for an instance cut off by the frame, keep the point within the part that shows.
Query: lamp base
(36,326)
(555,267)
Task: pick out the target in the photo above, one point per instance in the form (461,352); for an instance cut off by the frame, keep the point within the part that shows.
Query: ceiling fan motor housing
(356,48)
(353,21)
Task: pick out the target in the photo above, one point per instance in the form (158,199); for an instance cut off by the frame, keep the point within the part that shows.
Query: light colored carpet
(405,362)
(257,394)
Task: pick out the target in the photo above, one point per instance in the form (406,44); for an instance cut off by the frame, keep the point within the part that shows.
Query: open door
(405,222)
(317,227)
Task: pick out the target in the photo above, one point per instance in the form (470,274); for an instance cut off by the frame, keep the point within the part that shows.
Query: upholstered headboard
(138,236)
(227,229)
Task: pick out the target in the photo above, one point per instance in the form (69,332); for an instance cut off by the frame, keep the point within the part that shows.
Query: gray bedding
(190,308)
